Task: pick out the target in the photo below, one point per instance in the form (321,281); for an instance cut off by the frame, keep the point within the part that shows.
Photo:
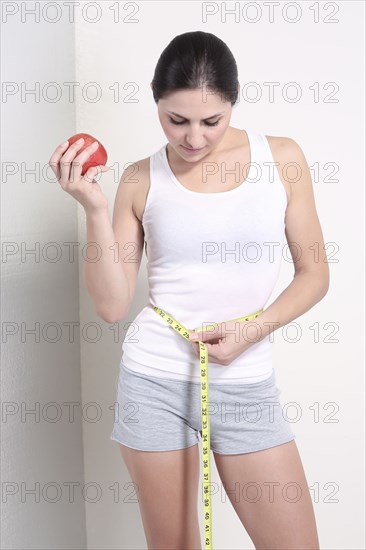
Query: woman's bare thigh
(167,490)
(270,494)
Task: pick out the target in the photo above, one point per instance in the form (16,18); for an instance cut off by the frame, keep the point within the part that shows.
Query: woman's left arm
(305,240)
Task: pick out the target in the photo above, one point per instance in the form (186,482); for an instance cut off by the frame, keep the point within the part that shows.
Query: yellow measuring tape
(206,451)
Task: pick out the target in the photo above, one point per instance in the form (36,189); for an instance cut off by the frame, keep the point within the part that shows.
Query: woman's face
(194,119)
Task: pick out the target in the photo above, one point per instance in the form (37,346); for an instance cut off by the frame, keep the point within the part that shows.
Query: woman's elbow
(324,279)
(111,316)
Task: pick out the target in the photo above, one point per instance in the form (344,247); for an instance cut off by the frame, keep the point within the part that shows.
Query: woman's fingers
(93,171)
(66,161)
(67,165)
(55,158)
(79,160)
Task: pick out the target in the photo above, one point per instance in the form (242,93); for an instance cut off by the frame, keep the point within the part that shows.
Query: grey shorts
(160,414)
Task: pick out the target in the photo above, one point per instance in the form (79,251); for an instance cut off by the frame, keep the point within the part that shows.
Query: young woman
(213,212)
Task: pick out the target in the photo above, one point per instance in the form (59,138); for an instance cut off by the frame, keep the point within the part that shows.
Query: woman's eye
(175,122)
(183,122)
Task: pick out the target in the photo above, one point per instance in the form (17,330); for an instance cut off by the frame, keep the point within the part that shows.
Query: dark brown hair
(193,60)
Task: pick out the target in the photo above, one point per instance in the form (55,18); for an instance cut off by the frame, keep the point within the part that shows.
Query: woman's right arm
(111,277)
(105,278)
(111,281)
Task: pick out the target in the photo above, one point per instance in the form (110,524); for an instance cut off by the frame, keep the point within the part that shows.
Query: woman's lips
(192,150)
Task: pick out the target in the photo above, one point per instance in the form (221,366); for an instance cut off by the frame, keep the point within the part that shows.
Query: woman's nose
(194,141)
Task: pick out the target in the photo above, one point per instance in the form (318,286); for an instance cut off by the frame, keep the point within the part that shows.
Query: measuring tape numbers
(206,450)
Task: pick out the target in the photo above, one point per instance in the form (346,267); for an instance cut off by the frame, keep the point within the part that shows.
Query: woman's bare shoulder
(285,148)
(139,178)
(286,151)
(281,144)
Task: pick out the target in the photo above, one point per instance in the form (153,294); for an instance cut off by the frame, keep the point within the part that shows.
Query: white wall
(328,372)
(35,290)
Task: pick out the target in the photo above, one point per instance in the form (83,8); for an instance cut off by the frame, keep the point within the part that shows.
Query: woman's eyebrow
(180,116)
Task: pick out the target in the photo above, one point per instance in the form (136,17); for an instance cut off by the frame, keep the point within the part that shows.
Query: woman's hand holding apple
(75,170)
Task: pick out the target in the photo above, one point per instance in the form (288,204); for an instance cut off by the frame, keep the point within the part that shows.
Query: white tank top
(211,257)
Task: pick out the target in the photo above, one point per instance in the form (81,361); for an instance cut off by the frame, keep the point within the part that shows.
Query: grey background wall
(110,50)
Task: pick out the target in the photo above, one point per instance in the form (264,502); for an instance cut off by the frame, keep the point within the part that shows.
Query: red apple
(98,157)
